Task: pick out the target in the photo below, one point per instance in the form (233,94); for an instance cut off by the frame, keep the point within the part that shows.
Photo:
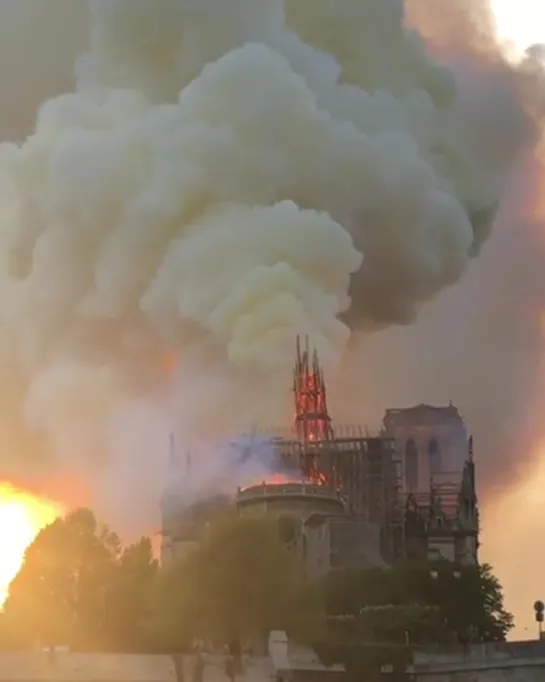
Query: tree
(429,602)
(377,615)
(78,587)
(60,592)
(240,582)
(472,605)
(130,598)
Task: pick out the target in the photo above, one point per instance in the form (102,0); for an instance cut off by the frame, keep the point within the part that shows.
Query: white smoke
(128,491)
(227,173)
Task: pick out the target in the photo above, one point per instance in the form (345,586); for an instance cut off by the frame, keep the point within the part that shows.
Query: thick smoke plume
(225,175)
(481,343)
(487,330)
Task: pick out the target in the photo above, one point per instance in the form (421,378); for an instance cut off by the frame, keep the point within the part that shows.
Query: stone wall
(63,666)
(295,663)
(508,662)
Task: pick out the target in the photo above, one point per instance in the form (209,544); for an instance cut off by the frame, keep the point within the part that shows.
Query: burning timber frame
(364,469)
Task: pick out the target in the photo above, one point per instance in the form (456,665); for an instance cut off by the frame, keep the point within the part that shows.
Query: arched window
(434,457)
(411,466)
(287,529)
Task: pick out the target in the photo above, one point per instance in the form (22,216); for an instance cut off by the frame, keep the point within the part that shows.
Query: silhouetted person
(198,666)
(230,664)
(235,649)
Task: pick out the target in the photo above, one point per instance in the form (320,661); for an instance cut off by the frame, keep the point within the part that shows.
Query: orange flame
(315,478)
(279,479)
(318,478)
(22,516)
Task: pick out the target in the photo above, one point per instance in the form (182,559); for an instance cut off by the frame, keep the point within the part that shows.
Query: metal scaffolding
(364,469)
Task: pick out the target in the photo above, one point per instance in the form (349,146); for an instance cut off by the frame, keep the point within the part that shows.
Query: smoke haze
(209,187)
(481,343)
(212,187)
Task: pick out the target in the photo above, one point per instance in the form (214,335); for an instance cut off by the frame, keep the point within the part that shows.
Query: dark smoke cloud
(480,343)
(501,104)
(387,172)
(38,44)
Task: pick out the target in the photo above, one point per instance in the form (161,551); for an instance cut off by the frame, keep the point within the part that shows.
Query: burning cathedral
(346,498)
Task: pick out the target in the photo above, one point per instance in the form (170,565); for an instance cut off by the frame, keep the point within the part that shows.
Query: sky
(520,23)
(514,516)
(482,343)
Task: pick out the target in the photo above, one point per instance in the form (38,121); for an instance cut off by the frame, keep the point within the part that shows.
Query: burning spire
(312,420)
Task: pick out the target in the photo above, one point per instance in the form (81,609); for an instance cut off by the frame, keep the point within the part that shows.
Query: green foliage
(377,615)
(77,587)
(131,597)
(474,608)
(428,603)
(240,581)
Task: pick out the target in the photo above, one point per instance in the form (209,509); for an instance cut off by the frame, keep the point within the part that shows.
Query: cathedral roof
(422,413)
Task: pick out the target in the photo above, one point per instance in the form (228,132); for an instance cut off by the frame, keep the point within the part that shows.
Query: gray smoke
(224,176)
(481,343)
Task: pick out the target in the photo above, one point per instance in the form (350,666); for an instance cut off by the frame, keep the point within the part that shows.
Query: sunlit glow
(513,518)
(22,516)
(513,545)
(519,24)
(513,525)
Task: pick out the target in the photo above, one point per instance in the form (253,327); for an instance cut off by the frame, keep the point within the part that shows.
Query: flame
(22,516)
(311,415)
(275,479)
(279,479)
(315,478)
(318,477)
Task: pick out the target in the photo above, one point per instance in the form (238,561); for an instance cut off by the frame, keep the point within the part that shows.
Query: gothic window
(411,466)
(287,530)
(434,457)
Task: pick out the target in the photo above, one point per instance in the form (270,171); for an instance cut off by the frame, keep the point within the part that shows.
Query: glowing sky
(22,516)
(520,23)
(514,520)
